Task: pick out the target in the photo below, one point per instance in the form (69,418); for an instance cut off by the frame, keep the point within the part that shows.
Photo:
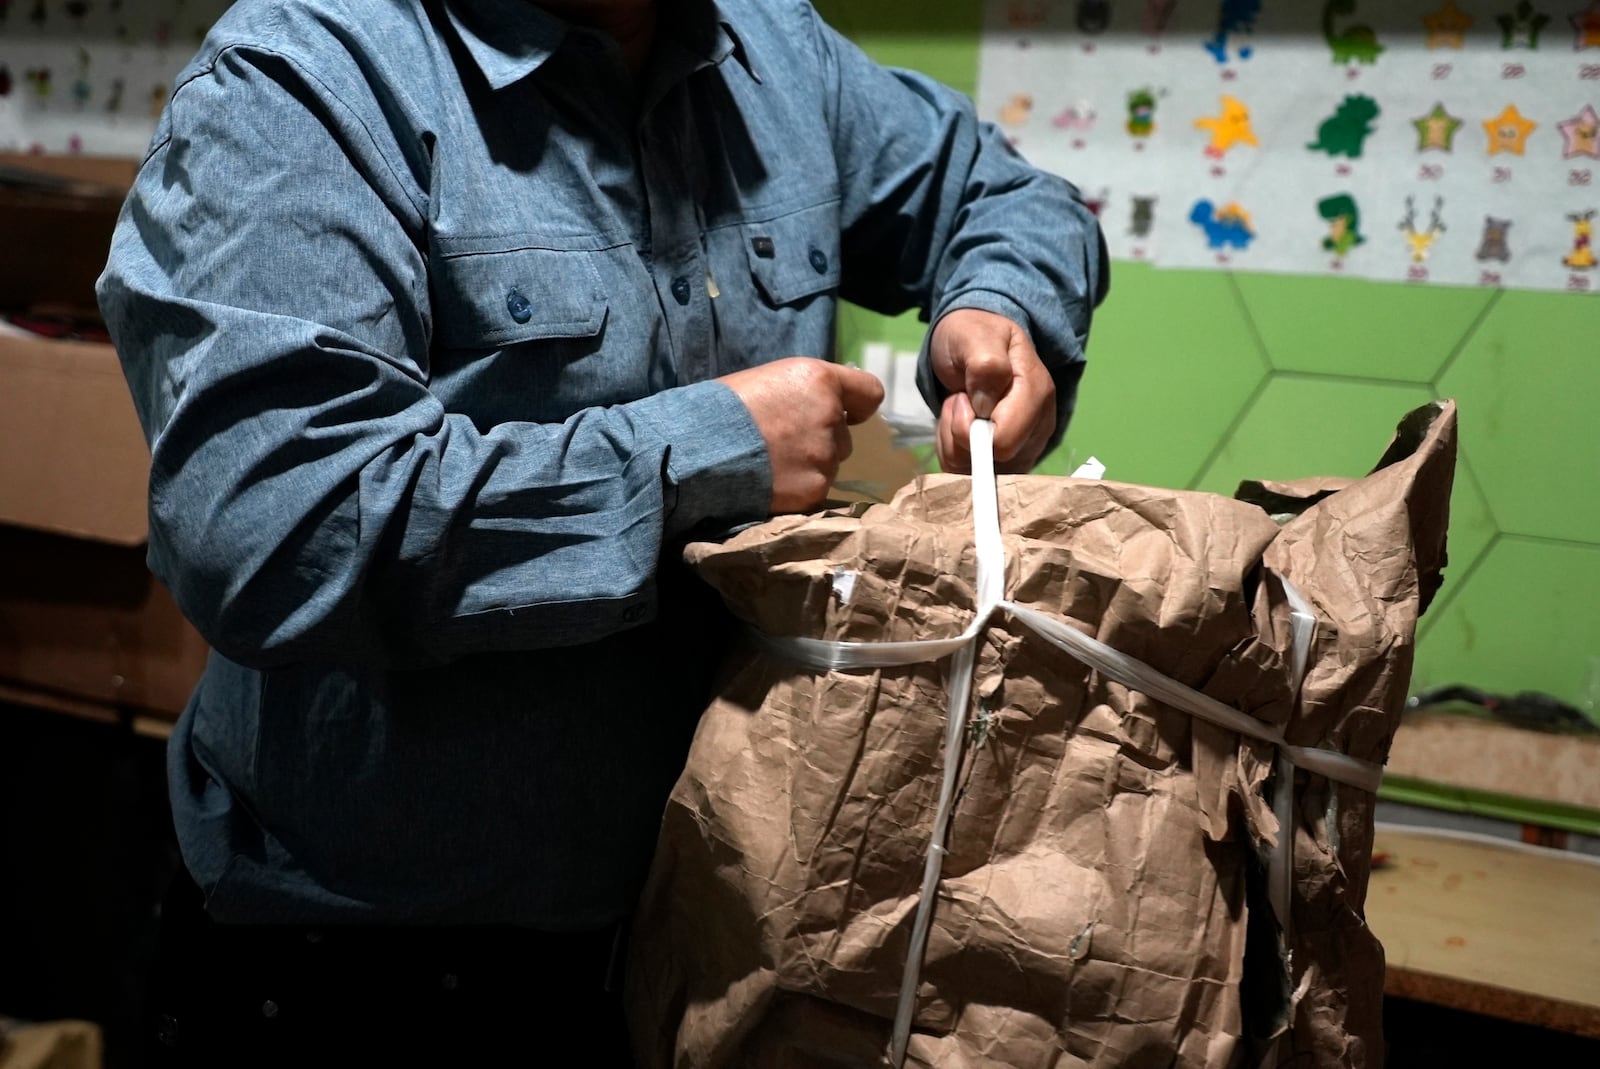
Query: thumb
(860,392)
(988,378)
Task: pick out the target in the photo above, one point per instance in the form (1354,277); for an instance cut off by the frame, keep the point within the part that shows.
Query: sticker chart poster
(1442,141)
(91,76)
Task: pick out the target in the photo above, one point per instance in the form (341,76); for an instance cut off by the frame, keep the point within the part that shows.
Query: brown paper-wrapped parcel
(1104,900)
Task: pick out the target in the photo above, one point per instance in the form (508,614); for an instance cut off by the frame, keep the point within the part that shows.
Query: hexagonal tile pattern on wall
(1482,637)
(1360,329)
(1304,425)
(1156,398)
(1528,382)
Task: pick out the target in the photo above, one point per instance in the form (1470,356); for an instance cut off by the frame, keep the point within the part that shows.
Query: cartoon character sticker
(1235,19)
(1508,132)
(1352,43)
(1345,131)
(1436,131)
(1093,16)
(1581,258)
(1229,127)
(1447,27)
(1495,243)
(1142,216)
(1226,227)
(1520,27)
(1141,113)
(1015,111)
(1344,223)
(1419,241)
(1581,134)
(1586,27)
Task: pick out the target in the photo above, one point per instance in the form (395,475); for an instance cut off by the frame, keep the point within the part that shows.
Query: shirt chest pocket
(523,331)
(495,297)
(782,269)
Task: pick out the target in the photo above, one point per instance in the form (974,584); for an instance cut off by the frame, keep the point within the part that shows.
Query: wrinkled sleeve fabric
(310,498)
(941,213)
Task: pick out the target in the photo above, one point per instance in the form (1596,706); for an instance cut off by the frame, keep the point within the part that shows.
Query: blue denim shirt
(420,303)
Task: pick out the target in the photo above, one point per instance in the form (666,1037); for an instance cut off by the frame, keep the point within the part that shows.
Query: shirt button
(680,290)
(633,614)
(764,247)
(269,1008)
(819,261)
(519,306)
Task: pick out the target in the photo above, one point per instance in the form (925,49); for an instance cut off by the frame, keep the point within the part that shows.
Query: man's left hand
(989,365)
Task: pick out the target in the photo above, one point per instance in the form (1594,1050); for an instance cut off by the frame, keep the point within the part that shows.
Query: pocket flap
(503,296)
(795,255)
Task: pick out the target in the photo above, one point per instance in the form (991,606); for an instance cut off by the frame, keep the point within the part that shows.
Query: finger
(955,435)
(843,444)
(988,378)
(860,392)
(1024,419)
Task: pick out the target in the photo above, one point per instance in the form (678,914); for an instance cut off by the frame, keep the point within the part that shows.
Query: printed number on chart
(1489,278)
(1441,71)
(1501,174)
(1430,172)
(1578,283)
(1511,71)
(1416,273)
(1589,72)
(1579,178)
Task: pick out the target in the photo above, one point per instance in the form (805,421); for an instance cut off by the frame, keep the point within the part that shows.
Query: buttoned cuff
(716,467)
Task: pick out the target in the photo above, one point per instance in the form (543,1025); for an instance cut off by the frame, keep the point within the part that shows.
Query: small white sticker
(844,585)
(1090,469)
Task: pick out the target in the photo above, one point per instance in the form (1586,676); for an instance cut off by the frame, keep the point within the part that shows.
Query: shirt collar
(510,39)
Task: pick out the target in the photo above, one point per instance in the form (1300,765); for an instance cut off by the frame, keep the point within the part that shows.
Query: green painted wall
(1199,379)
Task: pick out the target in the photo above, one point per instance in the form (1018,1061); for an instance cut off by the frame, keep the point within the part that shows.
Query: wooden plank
(1490,926)
(1481,755)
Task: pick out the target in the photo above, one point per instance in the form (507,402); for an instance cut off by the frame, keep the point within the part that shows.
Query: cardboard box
(81,617)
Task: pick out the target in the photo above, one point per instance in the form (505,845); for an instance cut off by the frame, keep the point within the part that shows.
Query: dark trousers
(226,996)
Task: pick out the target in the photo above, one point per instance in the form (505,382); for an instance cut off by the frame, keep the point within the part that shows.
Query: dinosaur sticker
(1141,113)
(1420,241)
(1508,131)
(1345,131)
(1494,245)
(1520,27)
(1229,127)
(1226,227)
(1447,27)
(1436,131)
(1235,19)
(1344,223)
(1581,134)
(1581,258)
(1352,44)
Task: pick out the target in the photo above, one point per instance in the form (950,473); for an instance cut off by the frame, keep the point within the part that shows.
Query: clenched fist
(804,408)
(989,365)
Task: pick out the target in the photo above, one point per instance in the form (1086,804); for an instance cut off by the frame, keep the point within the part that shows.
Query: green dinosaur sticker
(1345,131)
(1352,44)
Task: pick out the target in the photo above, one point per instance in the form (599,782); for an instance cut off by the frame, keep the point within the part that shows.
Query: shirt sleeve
(940,213)
(310,497)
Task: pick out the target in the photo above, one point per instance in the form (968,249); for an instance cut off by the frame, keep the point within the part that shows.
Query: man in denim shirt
(448,322)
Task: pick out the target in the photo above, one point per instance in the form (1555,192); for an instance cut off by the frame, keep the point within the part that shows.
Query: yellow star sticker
(1508,131)
(1229,128)
(1447,27)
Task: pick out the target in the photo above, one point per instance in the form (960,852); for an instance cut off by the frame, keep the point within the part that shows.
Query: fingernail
(983,403)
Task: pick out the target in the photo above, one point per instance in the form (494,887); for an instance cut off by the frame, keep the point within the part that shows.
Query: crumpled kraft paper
(1103,898)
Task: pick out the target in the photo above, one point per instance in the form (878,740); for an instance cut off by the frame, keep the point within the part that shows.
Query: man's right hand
(804,408)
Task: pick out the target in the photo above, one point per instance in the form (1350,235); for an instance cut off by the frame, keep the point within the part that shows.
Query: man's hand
(804,409)
(992,371)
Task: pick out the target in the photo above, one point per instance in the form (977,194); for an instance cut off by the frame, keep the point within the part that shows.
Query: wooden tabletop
(1491,926)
